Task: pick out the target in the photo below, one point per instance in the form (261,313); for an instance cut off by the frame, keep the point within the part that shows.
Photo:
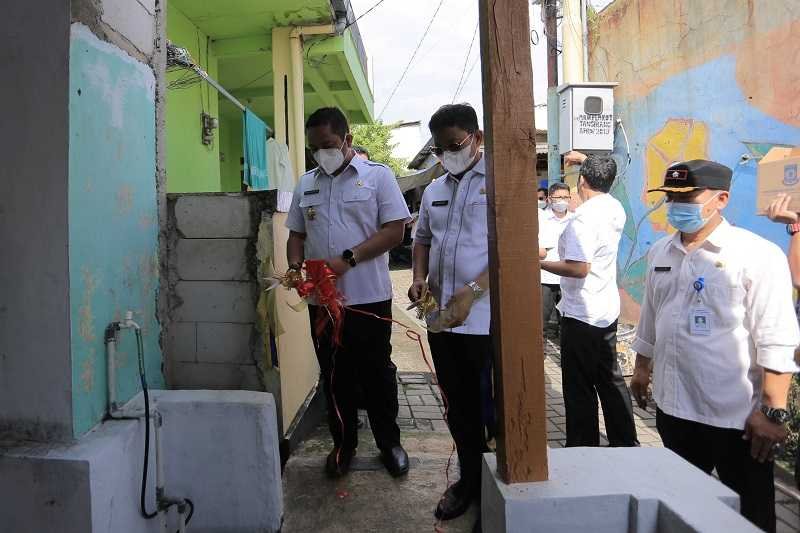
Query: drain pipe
(163,502)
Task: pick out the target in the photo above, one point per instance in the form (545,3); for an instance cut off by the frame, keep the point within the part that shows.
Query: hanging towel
(281,175)
(255,152)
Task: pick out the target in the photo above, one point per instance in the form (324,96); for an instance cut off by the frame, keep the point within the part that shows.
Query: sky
(391,33)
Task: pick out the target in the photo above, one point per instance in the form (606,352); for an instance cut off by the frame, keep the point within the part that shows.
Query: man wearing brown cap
(718,332)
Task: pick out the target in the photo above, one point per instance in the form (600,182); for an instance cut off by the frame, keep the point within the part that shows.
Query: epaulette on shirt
(375,164)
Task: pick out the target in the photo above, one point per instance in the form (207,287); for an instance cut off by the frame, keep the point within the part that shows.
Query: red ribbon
(320,283)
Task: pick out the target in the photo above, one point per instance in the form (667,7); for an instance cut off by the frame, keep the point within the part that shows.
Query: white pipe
(182,528)
(111,371)
(572,42)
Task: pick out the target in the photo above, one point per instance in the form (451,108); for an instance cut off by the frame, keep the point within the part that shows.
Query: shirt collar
(718,238)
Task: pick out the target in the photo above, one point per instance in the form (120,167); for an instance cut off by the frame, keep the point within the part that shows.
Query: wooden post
(513,239)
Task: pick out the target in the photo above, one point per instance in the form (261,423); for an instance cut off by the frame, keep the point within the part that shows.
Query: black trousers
(460,362)
(708,448)
(551,294)
(589,369)
(364,358)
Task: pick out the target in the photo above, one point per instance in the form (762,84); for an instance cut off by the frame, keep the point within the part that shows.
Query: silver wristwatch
(477,290)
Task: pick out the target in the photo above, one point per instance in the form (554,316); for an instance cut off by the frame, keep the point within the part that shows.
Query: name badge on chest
(700,317)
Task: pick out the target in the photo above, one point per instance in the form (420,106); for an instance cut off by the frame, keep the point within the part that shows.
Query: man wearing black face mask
(451,257)
(717,326)
(350,212)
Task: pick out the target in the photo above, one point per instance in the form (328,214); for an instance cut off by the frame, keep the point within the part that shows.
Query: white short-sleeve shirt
(452,221)
(550,229)
(339,213)
(592,236)
(716,379)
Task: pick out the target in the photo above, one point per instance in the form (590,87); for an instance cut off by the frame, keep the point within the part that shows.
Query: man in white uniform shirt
(350,212)
(718,327)
(552,222)
(451,256)
(590,308)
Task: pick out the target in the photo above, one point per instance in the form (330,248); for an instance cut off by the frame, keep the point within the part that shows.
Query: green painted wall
(191,165)
(231,146)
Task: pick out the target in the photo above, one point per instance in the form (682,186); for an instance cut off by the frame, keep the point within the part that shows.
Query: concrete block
(235,480)
(216,301)
(647,490)
(224,343)
(214,216)
(133,21)
(182,342)
(212,259)
(215,376)
(92,485)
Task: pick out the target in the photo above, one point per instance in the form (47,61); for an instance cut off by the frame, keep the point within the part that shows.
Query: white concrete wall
(220,450)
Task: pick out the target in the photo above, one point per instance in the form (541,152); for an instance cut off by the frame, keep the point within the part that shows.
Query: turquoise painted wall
(113,219)
(191,165)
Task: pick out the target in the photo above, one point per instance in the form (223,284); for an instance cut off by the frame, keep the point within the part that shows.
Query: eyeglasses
(435,150)
(559,198)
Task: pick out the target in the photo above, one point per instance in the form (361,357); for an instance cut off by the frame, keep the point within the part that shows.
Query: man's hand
(763,435)
(459,307)
(639,385)
(778,210)
(418,287)
(574,158)
(339,265)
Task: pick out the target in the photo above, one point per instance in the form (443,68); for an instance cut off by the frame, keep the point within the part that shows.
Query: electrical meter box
(586,117)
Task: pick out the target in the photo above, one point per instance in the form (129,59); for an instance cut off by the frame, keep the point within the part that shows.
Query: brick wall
(212,340)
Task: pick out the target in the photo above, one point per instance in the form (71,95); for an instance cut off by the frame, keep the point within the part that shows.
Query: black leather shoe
(455,501)
(396,461)
(338,462)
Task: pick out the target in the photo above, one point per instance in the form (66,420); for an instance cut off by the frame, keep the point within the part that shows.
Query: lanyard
(698,286)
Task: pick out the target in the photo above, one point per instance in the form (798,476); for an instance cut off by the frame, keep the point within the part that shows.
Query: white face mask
(330,159)
(560,206)
(542,204)
(457,162)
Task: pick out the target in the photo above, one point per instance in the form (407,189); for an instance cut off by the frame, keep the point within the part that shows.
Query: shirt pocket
(726,298)
(310,205)
(359,203)
(476,217)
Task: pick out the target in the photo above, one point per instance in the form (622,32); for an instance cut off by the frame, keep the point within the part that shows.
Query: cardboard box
(778,172)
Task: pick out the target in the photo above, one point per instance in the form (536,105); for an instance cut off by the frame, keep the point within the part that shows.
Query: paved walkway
(369,500)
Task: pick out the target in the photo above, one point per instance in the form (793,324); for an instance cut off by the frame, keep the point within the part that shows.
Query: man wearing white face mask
(590,306)
(552,222)
(718,329)
(451,256)
(350,212)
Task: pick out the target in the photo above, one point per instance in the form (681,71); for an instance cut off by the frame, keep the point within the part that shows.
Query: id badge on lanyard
(700,318)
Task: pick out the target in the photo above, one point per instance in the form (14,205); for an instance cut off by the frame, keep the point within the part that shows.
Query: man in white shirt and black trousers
(718,329)
(350,212)
(590,308)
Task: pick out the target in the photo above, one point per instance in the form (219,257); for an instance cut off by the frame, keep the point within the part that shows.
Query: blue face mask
(687,217)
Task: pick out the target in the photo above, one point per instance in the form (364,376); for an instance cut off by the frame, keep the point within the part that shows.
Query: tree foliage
(377,139)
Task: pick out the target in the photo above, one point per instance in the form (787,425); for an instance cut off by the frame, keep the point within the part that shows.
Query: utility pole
(513,240)
(572,41)
(550,8)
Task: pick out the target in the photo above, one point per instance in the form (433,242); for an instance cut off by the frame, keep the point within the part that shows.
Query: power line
(405,71)
(466,78)
(466,60)
(364,14)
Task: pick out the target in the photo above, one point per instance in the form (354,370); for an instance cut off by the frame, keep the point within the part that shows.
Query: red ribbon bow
(320,283)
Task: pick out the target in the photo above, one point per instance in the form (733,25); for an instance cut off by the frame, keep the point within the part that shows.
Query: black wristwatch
(778,416)
(349,257)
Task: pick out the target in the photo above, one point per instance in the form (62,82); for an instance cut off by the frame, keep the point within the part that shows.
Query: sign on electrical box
(586,117)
